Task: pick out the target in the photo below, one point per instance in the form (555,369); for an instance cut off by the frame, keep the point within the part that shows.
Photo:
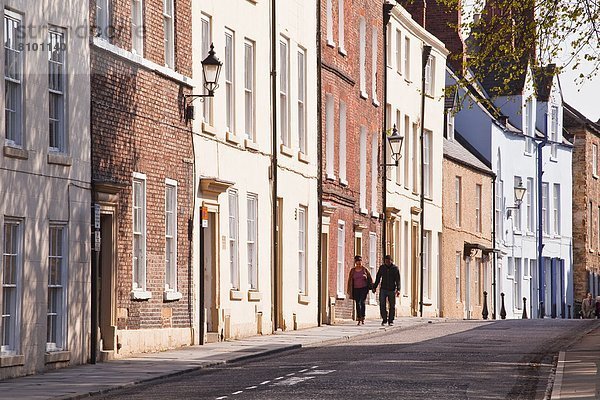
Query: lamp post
(211,69)
(395,141)
(519,194)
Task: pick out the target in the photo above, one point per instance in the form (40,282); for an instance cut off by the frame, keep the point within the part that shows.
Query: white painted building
(244,292)
(45,194)
(506,139)
(405,41)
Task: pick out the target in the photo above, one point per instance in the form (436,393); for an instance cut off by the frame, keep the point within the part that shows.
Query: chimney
(444,23)
(416,8)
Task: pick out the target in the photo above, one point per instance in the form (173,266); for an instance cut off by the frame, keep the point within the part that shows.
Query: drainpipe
(426,53)
(320,298)
(494,256)
(541,274)
(387,9)
(94,309)
(274,139)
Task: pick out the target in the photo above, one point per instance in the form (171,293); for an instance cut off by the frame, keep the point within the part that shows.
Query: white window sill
(13,151)
(516,232)
(254,295)
(376,103)
(140,295)
(364,95)
(527,154)
(330,43)
(553,159)
(250,144)
(364,211)
(171,295)
(303,299)
(60,159)
(343,182)
(236,295)
(330,177)
(374,214)
(407,81)
(209,129)
(56,356)
(11,360)
(340,296)
(342,51)
(399,72)
(283,149)
(232,138)
(303,157)
(594,176)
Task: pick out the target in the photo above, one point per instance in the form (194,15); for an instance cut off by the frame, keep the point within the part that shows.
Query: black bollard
(569,308)
(485,312)
(502,309)
(542,310)
(524,308)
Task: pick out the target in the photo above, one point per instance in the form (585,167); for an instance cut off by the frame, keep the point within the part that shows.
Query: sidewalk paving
(85,380)
(578,369)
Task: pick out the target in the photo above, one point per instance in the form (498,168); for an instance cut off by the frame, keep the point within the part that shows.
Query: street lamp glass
(211,68)
(395,141)
(519,192)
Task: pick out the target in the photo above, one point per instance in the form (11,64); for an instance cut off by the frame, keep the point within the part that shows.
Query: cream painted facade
(45,193)
(403,206)
(243,295)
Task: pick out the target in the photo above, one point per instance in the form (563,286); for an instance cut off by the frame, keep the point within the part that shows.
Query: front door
(210,273)
(468,289)
(106,272)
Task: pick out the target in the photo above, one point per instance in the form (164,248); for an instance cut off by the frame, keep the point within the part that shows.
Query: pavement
(578,369)
(90,379)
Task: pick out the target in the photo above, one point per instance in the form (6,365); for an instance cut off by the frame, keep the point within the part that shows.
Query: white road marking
(251,387)
(304,370)
(316,366)
(279,378)
(265,382)
(221,398)
(293,381)
(293,373)
(320,371)
(238,392)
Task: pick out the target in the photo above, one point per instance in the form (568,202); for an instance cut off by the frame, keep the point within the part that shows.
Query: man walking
(389,275)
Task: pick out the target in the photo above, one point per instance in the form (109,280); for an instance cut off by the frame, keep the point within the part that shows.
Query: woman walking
(359,283)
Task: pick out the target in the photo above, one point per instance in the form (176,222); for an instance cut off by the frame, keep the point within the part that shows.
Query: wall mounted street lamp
(395,141)
(519,194)
(211,69)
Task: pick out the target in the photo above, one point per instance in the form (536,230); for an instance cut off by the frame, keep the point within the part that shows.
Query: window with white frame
(363,169)
(302,239)
(103,18)
(206,40)
(517,212)
(137,27)
(478,205)
(330,136)
(12,260)
(139,232)
(408,141)
(595,160)
(169,28)
(389,153)
(427,170)
(374,38)
(430,76)
(457,276)
(528,128)
(170,235)
(554,132)
(407,58)
(342,143)
(234,270)
(545,208)
(532,267)
(406,258)
(252,240)
(57,272)
(517,284)
(283,91)
(229,82)
(341,248)
(249,90)
(13,78)
(388,46)
(556,209)
(374,172)
(449,125)
(415,157)
(398,51)
(57,90)
(362,56)
(530,214)
(329,11)
(427,264)
(457,200)
(341,43)
(511,267)
(499,208)
(302,100)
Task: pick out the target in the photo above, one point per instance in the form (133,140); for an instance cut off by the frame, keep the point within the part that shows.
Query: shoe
(362,322)
(391,324)
(383,323)
(358,323)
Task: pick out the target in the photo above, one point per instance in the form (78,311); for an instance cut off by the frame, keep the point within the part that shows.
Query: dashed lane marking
(238,392)
(251,387)
(265,382)
(303,370)
(293,380)
(279,378)
(320,371)
(221,398)
(291,374)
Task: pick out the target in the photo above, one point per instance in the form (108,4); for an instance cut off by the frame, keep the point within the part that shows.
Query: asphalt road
(511,359)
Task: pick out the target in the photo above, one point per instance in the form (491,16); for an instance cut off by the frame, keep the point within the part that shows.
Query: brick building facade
(585,136)
(142,170)
(352,120)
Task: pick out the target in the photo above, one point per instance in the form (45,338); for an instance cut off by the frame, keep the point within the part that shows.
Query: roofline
(586,122)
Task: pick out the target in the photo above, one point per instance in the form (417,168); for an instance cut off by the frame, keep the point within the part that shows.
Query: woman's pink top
(359,278)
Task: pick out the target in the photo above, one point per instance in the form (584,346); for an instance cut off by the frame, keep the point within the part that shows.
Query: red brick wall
(344,84)
(137,126)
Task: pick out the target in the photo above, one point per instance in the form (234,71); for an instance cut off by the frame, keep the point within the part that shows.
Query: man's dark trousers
(390,295)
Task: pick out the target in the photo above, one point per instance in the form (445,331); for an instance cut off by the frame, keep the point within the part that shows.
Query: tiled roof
(457,152)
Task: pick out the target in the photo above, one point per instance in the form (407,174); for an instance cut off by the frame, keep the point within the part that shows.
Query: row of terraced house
(139,214)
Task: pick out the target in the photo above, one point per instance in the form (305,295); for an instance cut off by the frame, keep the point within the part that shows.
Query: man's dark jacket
(389,276)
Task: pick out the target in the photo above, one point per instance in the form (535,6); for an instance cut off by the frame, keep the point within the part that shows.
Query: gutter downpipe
(494,254)
(425,58)
(387,10)
(541,273)
(274,139)
(320,297)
